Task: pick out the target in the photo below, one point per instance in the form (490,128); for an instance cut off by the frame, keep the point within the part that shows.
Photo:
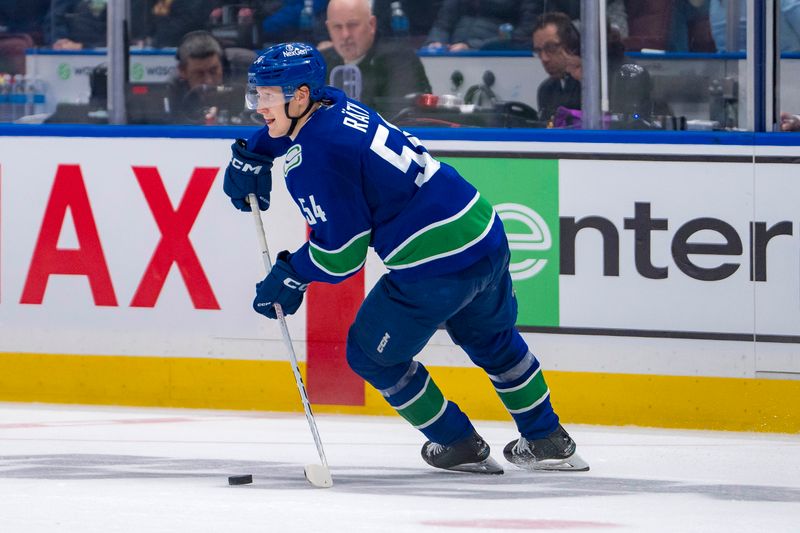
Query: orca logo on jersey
(293,158)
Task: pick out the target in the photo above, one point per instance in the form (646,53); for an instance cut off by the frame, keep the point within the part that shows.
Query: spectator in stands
(195,95)
(475,24)
(172,19)
(557,43)
(483,24)
(718,17)
(23,17)
(789,30)
(76,24)
(790,25)
(234,23)
(671,25)
(420,13)
(390,70)
(615,12)
(280,21)
(20,28)
(790,122)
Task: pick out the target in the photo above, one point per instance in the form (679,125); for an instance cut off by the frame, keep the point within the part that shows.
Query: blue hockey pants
(479,310)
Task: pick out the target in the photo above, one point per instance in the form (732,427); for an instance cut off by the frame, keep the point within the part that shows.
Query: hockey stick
(317,475)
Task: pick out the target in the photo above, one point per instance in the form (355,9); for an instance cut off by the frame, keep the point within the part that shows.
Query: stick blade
(318,475)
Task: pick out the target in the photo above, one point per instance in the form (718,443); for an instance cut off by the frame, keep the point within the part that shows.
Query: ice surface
(86,469)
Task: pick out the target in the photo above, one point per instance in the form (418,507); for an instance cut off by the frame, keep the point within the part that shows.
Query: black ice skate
(467,455)
(553,452)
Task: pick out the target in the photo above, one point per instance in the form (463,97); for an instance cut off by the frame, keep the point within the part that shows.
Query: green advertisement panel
(524,193)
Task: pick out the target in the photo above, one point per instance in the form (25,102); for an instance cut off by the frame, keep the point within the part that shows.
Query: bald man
(390,69)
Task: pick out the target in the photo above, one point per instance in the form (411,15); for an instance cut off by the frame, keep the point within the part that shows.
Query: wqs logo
(527,232)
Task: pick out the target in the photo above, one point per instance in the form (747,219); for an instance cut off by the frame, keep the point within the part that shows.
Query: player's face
(351,27)
(271,106)
(550,50)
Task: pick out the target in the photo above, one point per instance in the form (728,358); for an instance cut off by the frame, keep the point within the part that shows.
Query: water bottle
(245,16)
(215,18)
(5,98)
(399,20)
(505,30)
(38,90)
(29,96)
(307,20)
(17,97)
(716,102)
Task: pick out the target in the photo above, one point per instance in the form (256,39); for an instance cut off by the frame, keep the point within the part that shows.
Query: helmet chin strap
(298,117)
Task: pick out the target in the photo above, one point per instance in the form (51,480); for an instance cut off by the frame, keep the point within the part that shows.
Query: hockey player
(360,182)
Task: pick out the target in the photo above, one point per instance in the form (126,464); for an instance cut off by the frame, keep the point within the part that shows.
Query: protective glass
(548,48)
(259,97)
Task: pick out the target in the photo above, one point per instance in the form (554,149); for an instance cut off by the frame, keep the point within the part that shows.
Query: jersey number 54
(314,212)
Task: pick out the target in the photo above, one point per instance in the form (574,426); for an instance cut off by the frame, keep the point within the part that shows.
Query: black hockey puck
(240,480)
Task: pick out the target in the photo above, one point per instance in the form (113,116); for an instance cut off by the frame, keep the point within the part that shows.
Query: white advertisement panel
(777,269)
(672,252)
(118,246)
(113,246)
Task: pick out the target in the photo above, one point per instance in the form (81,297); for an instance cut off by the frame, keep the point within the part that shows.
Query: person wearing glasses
(557,44)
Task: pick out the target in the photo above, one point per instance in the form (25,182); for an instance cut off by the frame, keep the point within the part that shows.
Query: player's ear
(302,94)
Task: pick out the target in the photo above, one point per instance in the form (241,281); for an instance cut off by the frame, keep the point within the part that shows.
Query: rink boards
(659,284)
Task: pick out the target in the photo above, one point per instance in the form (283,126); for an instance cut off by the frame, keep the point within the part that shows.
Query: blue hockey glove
(247,173)
(281,286)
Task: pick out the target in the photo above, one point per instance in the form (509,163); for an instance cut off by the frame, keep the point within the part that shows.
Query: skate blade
(573,463)
(487,466)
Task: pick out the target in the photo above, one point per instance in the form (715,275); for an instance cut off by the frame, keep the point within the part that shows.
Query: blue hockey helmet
(288,66)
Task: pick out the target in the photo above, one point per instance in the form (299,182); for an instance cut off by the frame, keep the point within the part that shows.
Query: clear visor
(263,97)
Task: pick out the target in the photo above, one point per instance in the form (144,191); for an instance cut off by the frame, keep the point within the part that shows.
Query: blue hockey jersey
(360,181)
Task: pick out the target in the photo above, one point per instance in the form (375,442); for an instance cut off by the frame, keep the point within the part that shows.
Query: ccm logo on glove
(248,173)
(245,167)
(282,286)
(296,285)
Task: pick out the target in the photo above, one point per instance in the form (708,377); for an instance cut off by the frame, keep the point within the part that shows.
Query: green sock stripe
(526,396)
(425,408)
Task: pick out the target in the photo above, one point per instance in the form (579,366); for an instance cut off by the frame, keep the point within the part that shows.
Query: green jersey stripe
(446,237)
(344,260)
(525,396)
(424,408)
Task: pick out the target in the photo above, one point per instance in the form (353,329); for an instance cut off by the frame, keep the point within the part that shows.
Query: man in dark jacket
(199,92)
(390,70)
(487,24)
(557,43)
(77,24)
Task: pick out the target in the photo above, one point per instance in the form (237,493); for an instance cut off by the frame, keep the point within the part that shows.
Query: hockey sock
(417,398)
(523,391)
